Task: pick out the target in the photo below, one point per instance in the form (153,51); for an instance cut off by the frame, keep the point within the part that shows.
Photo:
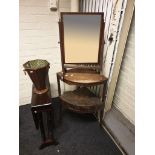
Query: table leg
(50,125)
(35,118)
(49,140)
(58,82)
(43,136)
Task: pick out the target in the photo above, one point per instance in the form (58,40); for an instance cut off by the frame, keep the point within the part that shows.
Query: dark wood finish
(42,127)
(82,79)
(82,75)
(47,139)
(82,70)
(81,100)
(42,103)
(35,118)
(81,66)
(58,82)
(38,77)
(40,99)
(101,42)
(61,36)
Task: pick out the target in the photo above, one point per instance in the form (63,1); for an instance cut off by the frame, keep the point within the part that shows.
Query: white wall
(124,98)
(39,38)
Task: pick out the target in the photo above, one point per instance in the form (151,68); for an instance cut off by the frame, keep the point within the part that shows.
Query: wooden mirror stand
(81,43)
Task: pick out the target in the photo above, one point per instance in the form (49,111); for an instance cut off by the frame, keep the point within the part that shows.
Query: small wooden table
(41,103)
(82,100)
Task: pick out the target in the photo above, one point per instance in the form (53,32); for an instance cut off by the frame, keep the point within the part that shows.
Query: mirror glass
(81,38)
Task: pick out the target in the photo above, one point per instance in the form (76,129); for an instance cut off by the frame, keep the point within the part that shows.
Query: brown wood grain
(83,79)
(101,41)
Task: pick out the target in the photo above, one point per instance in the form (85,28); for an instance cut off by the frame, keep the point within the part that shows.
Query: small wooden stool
(41,103)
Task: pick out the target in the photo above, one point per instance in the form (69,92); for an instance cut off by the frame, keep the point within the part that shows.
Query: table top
(82,78)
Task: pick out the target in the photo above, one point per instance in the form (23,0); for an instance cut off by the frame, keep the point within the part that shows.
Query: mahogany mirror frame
(97,65)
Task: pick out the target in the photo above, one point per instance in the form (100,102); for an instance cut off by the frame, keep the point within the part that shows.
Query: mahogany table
(42,104)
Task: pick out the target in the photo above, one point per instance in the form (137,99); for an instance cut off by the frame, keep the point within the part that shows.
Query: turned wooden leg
(50,125)
(35,118)
(59,88)
(42,130)
(43,136)
(49,140)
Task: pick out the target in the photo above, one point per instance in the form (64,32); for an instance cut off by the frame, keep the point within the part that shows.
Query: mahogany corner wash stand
(82,100)
(81,43)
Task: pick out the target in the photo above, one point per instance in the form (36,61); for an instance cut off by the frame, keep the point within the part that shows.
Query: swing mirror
(81,38)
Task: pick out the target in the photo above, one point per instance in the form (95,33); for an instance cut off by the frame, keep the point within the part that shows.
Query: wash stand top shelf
(84,79)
